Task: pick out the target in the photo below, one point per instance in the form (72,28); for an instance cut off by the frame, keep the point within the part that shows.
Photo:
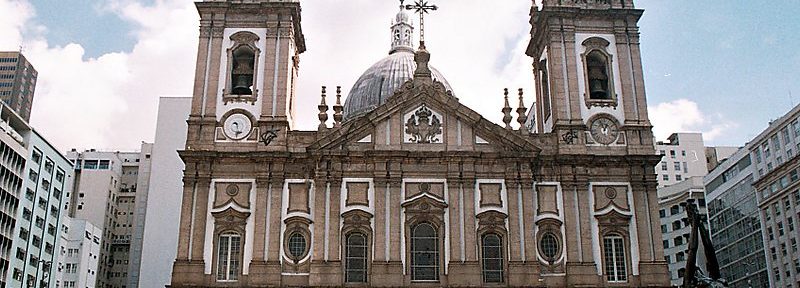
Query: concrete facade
(13,161)
(421,190)
(17,83)
(161,230)
(80,254)
(106,187)
(776,159)
(683,157)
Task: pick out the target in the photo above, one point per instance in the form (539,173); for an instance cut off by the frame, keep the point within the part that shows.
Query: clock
(604,130)
(238,126)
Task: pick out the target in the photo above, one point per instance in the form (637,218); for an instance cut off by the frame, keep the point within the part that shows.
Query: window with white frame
(228,256)
(424,253)
(614,252)
(356,258)
(492,252)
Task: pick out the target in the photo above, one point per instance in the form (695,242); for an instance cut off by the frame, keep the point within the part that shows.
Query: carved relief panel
(236,193)
(298,197)
(357,193)
(415,189)
(423,125)
(547,199)
(611,195)
(491,194)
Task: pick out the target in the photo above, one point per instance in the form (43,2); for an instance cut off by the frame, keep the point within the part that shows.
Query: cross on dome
(420,7)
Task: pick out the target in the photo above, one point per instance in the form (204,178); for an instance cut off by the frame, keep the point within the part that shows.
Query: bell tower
(247,65)
(588,75)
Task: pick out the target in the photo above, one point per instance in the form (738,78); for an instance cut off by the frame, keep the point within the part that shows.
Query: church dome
(381,80)
(384,77)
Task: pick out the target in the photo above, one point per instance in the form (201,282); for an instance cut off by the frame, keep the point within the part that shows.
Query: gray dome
(381,80)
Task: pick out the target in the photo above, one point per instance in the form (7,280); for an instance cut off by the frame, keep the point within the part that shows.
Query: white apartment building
(13,155)
(106,187)
(80,254)
(684,156)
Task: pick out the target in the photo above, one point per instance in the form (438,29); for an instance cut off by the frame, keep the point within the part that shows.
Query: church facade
(408,187)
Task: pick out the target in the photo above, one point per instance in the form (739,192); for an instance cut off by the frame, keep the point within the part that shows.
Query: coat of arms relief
(423,126)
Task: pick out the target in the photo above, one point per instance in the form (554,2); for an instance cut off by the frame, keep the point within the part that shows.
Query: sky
(710,66)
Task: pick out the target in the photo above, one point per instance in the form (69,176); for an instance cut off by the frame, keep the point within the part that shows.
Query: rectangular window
(103,165)
(683,153)
(776,143)
(677,166)
(614,251)
(758,155)
(785,133)
(780,229)
(664,166)
(665,177)
(678,177)
(36,157)
(48,166)
(33,176)
(90,164)
(796,127)
(685,168)
(662,213)
(765,147)
(60,176)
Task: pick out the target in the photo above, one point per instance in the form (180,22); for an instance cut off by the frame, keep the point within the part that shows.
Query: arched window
(356,258)
(596,64)
(614,253)
(492,246)
(424,253)
(228,253)
(242,72)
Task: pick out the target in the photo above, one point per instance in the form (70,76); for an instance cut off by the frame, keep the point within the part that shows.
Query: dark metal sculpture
(693,276)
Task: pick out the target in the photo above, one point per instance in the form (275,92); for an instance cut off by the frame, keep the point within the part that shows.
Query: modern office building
(158,247)
(717,154)
(734,221)
(106,186)
(13,158)
(777,180)
(80,254)
(17,83)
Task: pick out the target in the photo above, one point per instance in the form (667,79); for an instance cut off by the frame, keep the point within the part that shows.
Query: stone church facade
(408,187)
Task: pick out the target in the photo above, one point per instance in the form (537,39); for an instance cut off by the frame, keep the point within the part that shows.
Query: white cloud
(684,115)
(109,102)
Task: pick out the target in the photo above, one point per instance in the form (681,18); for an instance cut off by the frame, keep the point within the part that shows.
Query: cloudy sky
(710,66)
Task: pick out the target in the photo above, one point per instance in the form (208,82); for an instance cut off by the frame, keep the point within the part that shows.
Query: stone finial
(323,112)
(423,72)
(506,110)
(337,108)
(522,116)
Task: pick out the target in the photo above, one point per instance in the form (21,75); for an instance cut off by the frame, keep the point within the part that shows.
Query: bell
(596,89)
(242,84)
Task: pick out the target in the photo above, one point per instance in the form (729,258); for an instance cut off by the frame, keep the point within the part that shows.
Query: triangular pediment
(425,117)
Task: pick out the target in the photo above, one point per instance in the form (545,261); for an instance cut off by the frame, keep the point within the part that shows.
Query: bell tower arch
(247,61)
(587,66)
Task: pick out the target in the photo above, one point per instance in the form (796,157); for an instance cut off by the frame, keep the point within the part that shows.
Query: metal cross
(421,7)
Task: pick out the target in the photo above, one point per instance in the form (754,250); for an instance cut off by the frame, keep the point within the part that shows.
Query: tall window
(492,258)
(614,251)
(424,253)
(356,258)
(228,256)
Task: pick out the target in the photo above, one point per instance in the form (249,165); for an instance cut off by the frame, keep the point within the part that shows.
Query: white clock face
(604,130)
(238,126)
